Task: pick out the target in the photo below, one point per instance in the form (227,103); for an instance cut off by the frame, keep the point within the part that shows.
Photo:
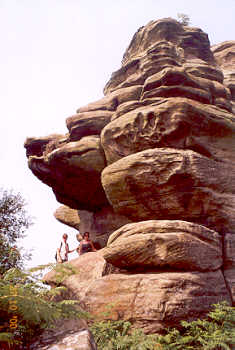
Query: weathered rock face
(150,300)
(229,263)
(38,146)
(67,216)
(154,244)
(224,54)
(101,223)
(152,164)
(176,123)
(189,42)
(89,268)
(156,300)
(73,171)
(70,334)
(165,183)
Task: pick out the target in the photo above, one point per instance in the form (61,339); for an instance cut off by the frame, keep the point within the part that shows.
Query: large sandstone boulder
(178,123)
(156,300)
(193,41)
(150,169)
(156,46)
(150,300)
(67,216)
(73,171)
(173,244)
(87,123)
(164,183)
(88,268)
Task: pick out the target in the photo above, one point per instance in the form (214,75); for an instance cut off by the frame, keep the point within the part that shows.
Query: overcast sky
(56,56)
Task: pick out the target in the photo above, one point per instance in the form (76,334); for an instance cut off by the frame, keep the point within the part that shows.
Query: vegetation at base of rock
(36,308)
(215,332)
(14,221)
(112,335)
(32,306)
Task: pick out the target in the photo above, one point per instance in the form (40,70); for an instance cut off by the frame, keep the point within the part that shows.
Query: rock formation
(67,216)
(70,334)
(150,169)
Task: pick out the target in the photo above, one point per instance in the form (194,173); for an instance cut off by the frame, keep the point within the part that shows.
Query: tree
(183,19)
(27,306)
(14,221)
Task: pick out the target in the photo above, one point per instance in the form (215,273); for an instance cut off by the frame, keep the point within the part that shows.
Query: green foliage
(63,271)
(13,224)
(27,307)
(112,335)
(215,332)
(183,19)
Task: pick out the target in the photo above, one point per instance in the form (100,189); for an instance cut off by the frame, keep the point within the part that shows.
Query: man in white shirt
(62,252)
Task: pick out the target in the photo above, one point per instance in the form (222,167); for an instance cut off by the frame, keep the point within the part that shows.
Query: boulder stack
(150,169)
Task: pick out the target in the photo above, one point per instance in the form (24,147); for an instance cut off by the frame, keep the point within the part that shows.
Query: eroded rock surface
(150,300)
(67,216)
(37,146)
(67,334)
(101,223)
(156,300)
(177,123)
(150,167)
(89,267)
(73,171)
(154,244)
(165,183)
(229,263)
(224,54)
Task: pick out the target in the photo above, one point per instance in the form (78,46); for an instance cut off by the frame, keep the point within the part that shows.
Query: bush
(111,335)
(215,332)
(28,307)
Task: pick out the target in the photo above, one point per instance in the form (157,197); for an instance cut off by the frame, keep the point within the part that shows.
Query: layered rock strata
(150,169)
(174,244)
(150,299)
(224,54)
(68,216)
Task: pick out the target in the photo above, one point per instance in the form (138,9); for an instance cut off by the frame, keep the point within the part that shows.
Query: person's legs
(59,260)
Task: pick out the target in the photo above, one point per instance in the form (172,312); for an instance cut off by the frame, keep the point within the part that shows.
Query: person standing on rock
(63,251)
(86,245)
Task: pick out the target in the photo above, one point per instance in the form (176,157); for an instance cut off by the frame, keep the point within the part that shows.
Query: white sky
(56,56)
